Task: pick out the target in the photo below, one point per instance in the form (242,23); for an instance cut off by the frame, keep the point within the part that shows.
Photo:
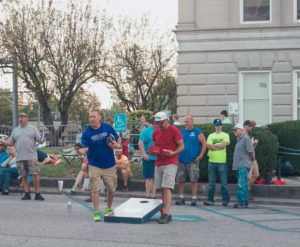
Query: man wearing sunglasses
(169,143)
(24,138)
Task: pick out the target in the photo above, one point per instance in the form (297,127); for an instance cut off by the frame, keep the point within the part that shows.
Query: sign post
(120,122)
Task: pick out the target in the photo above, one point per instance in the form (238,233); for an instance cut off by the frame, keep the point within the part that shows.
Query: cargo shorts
(26,167)
(188,170)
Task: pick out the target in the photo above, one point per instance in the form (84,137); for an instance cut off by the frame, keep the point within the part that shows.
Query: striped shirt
(241,156)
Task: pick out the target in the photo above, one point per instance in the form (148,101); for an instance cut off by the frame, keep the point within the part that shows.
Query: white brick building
(240,51)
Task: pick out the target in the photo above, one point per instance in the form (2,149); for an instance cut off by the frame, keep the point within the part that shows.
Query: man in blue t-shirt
(99,141)
(3,153)
(145,141)
(189,159)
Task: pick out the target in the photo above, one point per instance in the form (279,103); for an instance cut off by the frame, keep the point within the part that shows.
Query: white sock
(181,196)
(194,197)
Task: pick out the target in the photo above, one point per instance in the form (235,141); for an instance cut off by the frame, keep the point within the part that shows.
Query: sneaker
(165,219)
(250,197)
(38,197)
(88,199)
(74,189)
(194,202)
(97,216)
(180,201)
(125,189)
(238,205)
(26,196)
(108,210)
(225,204)
(208,203)
(5,193)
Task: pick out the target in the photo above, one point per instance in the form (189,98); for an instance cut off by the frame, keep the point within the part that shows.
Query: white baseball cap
(160,116)
(238,126)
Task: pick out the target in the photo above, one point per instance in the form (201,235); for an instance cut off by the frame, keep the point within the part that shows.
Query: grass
(60,171)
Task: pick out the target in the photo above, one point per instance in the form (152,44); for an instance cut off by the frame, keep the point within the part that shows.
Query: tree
(5,107)
(140,65)
(82,103)
(57,51)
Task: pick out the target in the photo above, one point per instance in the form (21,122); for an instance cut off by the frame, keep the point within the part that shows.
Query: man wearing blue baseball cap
(216,144)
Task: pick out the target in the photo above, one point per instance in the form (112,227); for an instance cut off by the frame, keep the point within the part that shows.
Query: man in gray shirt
(24,137)
(243,157)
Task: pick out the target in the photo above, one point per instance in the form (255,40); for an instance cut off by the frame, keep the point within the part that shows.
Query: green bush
(288,134)
(265,151)
(135,116)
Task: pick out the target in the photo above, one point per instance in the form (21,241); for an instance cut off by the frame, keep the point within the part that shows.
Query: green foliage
(115,109)
(265,151)
(136,115)
(5,108)
(288,134)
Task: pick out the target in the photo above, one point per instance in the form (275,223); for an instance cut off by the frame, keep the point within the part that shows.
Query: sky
(163,12)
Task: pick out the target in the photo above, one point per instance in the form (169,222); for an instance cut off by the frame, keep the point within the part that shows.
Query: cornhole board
(135,211)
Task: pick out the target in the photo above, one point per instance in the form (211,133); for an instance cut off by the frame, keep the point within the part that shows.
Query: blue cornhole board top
(135,211)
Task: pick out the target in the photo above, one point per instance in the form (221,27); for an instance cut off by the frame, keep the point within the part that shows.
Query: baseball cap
(238,126)
(248,123)
(218,122)
(253,123)
(160,116)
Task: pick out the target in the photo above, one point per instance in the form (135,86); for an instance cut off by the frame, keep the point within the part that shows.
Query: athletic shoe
(26,196)
(225,204)
(238,205)
(180,201)
(165,219)
(208,203)
(38,197)
(5,193)
(194,202)
(97,216)
(108,210)
(74,189)
(88,199)
(125,188)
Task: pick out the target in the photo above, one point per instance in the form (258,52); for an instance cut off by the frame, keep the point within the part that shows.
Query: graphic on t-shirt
(217,141)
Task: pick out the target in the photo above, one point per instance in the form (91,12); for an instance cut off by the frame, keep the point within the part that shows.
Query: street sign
(120,122)
(233,108)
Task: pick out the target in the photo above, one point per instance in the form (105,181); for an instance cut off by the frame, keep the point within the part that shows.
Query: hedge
(288,134)
(266,150)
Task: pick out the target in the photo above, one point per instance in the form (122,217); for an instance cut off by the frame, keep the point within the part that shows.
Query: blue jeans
(242,192)
(221,168)
(7,174)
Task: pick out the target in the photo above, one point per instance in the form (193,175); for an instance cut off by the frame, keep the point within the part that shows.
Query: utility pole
(15,92)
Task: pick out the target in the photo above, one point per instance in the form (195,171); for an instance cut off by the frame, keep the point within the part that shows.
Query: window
(296,96)
(297,10)
(255,97)
(255,11)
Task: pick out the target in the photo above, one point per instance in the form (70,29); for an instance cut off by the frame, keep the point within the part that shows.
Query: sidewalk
(288,194)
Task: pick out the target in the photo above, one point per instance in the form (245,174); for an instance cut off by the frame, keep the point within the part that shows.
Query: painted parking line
(253,222)
(275,220)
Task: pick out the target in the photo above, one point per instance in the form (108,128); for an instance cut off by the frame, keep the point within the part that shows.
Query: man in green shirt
(216,144)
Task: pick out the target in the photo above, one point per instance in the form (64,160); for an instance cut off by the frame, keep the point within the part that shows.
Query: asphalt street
(49,223)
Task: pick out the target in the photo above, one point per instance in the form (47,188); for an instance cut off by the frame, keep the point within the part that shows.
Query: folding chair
(71,157)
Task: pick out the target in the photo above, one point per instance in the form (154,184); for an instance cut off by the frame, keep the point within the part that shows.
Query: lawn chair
(71,158)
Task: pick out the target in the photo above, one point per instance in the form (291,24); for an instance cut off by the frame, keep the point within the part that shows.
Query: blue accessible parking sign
(120,122)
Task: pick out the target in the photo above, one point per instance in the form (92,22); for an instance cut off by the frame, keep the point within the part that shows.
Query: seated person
(123,168)
(83,173)
(3,155)
(9,171)
(48,159)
